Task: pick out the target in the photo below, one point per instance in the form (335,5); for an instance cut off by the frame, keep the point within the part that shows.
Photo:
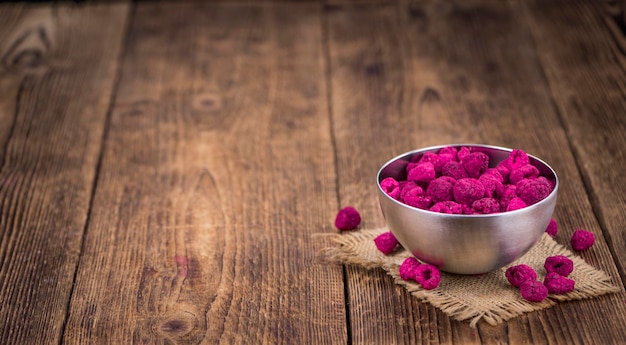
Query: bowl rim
(489,215)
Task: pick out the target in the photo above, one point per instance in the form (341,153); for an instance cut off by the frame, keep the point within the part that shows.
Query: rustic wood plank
(217,174)
(585,69)
(442,72)
(57,70)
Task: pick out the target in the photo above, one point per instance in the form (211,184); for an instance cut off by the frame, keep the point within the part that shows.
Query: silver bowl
(465,244)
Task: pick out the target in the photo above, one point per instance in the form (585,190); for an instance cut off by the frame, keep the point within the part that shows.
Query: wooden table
(166,167)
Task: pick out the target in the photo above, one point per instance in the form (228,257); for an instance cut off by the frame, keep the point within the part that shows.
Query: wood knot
(176,325)
(28,51)
(207,102)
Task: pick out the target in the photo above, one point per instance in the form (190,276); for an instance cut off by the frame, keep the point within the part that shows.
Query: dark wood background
(167,167)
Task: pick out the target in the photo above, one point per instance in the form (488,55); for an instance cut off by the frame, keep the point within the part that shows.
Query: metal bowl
(465,244)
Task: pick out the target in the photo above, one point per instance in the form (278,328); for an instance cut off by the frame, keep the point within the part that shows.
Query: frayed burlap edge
(357,248)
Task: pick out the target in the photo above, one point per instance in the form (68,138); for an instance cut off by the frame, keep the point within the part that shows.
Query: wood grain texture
(217,176)
(57,69)
(439,72)
(584,65)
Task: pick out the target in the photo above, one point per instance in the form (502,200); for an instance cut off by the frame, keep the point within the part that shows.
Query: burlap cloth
(487,297)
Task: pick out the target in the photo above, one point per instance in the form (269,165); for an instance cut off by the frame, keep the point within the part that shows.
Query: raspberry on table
(449,207)
(386,242)
(557,284)
(553,228)
(440,189)
(468,190)
(518,274)
(454,169)
(390,186)
(348,218)
(582,239)
(408,267)
(560,264)
(475,164)
(422,172)
(533,291)
(428,276)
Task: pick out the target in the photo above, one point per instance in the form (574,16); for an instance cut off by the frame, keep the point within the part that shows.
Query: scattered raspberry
(527,171)
(553,228)
(515,204)
(533,291)
(582,239)
(428,276)
(560,264)
(475,164)
(454,169)
(391,187)
(486,206)
(348,218)
(422,172)
(386,242)
(533,190)
(558,284)
(449,207)
(516,275)
(440,189)
(468,190)
(408,268)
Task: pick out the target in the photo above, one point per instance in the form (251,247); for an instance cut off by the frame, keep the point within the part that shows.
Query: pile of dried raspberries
(556,282)
(461,182)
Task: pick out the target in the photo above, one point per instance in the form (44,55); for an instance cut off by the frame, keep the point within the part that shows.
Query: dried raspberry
(454,170)
(348,218)
(558,284)
(518,158)
(386,242)
(391,187)
(533,291)
(504,170)
(449,207)
(515,204)
(582,239)
(422,172)
(508,195)
(475,164)
(410,188)
(440,189)
(418,201)
(533,190)
(408,268)
(527,171)
(428,276)
(553,228)
(516,275)
(468,190)
(443,159)
(560,264)
(449,150)
(493,172)
(492,183)
(462,152)
(467,209)
(486,206)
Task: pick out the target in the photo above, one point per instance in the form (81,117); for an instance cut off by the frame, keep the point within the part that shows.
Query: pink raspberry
(443,159)
(467,209)
(449,150)
(418,201)
(557,284)
(454,170)
(348,218)
(390,186)
(408,267)
(582,239)
(449,207)
(560,264)
(524,172)
(518,274)
(386,242)
(515,204)
(504,170)
(468,190)
(462,152)
(533,291)
(533,190)
(518,158)
(475,164)
(440,189)
(486,206)
(422,172)
(492,183)
(508,195)
(553,228)
(410,188)
(428,276)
